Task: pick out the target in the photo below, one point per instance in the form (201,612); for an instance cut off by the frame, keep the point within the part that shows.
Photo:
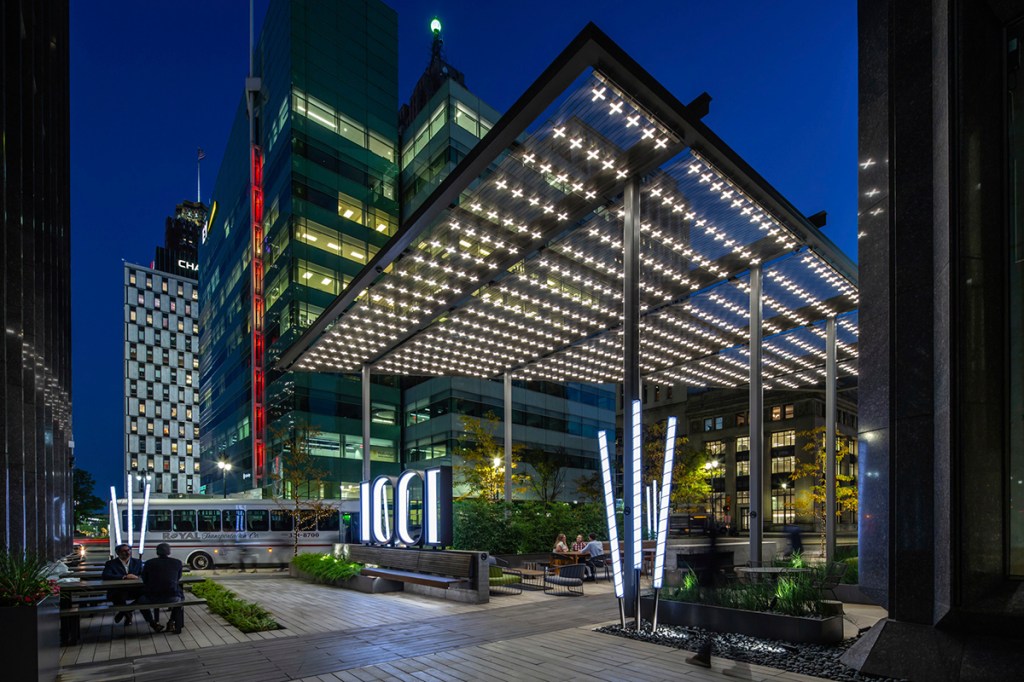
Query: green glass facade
(326,123)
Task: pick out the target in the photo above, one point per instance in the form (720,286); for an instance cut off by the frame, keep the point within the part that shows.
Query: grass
(796,595)
(246,616)
(325,567)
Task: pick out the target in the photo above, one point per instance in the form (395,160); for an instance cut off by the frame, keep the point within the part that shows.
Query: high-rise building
(35,366)
(161,380)
(180,253)
(161,361)
(326,176)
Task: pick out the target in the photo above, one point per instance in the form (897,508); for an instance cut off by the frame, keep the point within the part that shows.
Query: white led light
(637,483)
(609,509)
(381,526)
(145,521)
(131,534)
(402,493)
(365,512)
(116,515)
(666,496)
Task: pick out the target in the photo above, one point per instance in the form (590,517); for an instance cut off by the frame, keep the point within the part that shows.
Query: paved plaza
(332,634)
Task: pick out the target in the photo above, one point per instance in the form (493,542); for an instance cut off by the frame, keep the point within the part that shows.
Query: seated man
(593,549)
(161,576)
(124,567)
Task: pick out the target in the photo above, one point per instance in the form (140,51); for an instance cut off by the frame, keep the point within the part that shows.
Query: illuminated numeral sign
(385,516)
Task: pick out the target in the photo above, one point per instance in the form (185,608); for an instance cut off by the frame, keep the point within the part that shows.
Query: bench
(451,574)
(71,631)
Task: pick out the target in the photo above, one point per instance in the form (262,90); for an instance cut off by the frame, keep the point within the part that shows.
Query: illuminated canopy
(514,264)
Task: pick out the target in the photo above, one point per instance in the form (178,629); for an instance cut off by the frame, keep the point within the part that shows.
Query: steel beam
(756,420)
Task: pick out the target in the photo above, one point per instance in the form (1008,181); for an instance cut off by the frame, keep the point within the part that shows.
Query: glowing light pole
(224,467)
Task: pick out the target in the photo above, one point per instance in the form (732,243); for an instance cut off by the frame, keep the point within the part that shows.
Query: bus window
(184,520)
(330,522)
(280,520)
(209,520)
(257,520)
(234,520)
(136,523)
(307,520)
(159,521)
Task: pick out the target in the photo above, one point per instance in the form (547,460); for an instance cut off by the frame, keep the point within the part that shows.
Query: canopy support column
(756,418)
(508,436)
(631,464)
(830,439)
(366,422)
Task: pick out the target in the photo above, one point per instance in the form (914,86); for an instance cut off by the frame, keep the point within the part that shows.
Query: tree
(846,486)
(297,478)
(690,479)
(480,464)
(590,488)
(85,501)
(548,477)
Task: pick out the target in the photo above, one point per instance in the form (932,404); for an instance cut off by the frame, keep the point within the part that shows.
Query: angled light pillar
(130,521)
(830,440)
(613,527)
(658,572)
(507,394)
(366,421)
(756,420)
(145,522)
(631,450)
(117,516)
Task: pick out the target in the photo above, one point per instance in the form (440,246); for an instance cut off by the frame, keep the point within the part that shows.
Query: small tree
(690,479)
(85,501)
(298,477)
(846,486)
(589,488)
(480,463)
(548,478)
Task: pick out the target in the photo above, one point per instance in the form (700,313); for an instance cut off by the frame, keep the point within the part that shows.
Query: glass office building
(326,123)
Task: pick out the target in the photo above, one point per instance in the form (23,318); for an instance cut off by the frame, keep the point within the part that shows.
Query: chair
(569,580)
(603,561)
(504,580)
(833,575)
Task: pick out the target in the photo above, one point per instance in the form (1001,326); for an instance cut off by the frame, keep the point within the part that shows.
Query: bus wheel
(200,560)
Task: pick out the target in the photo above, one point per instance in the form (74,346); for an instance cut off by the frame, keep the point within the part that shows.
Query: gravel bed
(807,659)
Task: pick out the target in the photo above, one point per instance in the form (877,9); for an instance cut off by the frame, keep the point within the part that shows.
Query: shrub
(852,574)
(325,567)
(529,527)
(23,580)
(246,616)
(796,595)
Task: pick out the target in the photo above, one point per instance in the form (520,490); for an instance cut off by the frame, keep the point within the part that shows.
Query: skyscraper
(35,424)
(180,253)
(326,175)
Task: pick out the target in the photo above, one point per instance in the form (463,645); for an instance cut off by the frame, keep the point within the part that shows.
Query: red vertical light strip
(258,407)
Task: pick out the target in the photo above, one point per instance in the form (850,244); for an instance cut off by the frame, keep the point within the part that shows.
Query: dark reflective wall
(35,302)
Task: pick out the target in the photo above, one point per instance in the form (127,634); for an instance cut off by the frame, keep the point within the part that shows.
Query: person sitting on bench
(124,567)
(162,577)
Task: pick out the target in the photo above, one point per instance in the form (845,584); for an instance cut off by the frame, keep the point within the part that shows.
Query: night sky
(151,82)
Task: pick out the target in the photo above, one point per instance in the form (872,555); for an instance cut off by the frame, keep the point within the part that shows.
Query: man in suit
(123,567)
(162,577)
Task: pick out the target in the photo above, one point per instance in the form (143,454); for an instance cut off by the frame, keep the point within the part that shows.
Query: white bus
(210,532)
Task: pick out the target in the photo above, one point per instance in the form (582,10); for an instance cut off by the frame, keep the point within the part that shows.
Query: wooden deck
(333,634)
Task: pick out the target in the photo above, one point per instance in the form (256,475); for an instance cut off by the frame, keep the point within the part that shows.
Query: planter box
(34,633)
(753,623)
(359,583)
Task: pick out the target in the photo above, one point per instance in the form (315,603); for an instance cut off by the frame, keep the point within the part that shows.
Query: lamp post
(497,477)
(224,467)
(712,467)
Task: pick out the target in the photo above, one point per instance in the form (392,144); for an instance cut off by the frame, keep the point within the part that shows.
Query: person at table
(579,544)
(122,567)
(560,546)
(162,577)
(592,550)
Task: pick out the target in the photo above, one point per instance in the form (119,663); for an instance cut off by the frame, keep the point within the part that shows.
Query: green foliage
(85,501)
(23,579)
(480,460)
(548,477)
(792,595)
(530,526)
(846,485)
(325,567)
(297,484)
(690,479)
(246,616)
(852,574)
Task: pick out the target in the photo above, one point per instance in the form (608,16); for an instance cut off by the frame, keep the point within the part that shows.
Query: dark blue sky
(151,82)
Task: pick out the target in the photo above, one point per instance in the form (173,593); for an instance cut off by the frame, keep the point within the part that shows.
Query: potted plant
(29,617)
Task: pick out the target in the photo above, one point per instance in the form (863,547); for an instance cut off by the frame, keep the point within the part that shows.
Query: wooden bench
(438,569)
(72,631)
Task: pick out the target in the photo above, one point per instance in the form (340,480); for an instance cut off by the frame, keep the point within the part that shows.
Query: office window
(163,286)
(181,290)
(167,464)
(784,464)
(782,439)
(131,278)
(149,282)
(131,315)
(743,444)
(783,507)
(781,412)
(715,447)
(714,423)
(741,419)
(743,464)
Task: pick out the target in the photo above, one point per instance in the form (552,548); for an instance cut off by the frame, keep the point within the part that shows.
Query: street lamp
(224,467)
(497,469)
(712,467)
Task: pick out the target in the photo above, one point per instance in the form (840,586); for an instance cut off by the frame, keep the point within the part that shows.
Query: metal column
(633,484)
(756,418)
(508,436)
(366,422)
(830,440)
